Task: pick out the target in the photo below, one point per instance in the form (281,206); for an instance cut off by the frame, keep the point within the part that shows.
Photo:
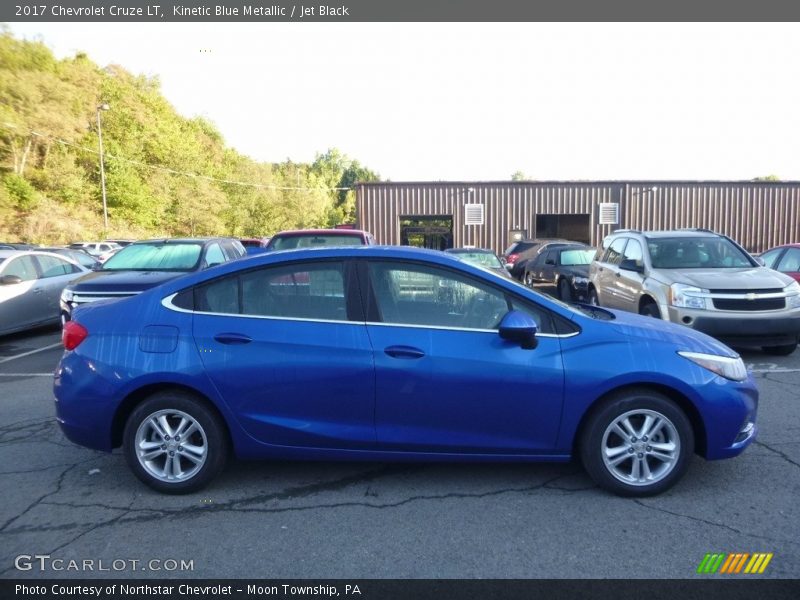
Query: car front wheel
(564,290)
(637,444)
(784,350)
(174,443)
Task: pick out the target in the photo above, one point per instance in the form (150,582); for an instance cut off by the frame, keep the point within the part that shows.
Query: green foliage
(767,178)
(165,174)
(20,192)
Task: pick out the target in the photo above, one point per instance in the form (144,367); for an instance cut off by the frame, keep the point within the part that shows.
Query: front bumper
(741,328)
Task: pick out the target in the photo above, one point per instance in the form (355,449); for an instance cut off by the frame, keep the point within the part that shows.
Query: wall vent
(473,214)
(609,213)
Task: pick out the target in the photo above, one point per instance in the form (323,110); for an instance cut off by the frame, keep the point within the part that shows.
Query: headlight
(792,292)
(580,281)
(66,295)
(685,296)
(724,366)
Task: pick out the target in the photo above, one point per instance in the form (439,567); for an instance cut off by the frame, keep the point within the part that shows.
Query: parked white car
(102,251)
(30,287)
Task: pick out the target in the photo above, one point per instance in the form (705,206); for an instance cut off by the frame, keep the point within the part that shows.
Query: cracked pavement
(365,520)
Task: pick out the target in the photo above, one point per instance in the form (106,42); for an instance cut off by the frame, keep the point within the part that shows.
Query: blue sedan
(379,353)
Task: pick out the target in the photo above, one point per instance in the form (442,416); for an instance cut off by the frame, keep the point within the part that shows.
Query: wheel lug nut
(640,455)
(178,438)
(630,450)
(644,439)
(171,453)
(633,440)
(163,446)
(649,448)
(166,437)
(180,448)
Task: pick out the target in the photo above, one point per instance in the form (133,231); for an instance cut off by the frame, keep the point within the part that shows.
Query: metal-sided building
(758,214)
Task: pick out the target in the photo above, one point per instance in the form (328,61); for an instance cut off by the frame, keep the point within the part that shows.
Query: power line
(176,172)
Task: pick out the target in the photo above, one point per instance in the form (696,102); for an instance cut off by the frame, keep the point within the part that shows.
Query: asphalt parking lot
(376,520)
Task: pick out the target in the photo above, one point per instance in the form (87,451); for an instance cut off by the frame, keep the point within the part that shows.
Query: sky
(478,101)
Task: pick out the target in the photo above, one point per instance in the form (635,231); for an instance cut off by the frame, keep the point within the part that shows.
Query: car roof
(195,240)
(298,232)
(35,252)
(671,233)
(468,250)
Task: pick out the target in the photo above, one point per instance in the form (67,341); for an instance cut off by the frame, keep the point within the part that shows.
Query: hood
(637,328)
(121,281)
(752,278)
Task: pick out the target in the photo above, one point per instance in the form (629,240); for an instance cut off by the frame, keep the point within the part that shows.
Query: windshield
(487,260)
(571,258)
(314,241)
(157,256)
(696,253)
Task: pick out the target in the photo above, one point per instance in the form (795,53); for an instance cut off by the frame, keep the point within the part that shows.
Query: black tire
(784,350)
(637,404)
(528,279)
(212,435)
(564,290)
(593,299)
(650,309)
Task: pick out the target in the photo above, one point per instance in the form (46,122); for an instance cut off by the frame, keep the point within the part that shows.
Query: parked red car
(785,259)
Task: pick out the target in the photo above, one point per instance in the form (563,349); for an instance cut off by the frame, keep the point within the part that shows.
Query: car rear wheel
(784,350)
(650,309)
(637,444)
(564,290)
(174,443)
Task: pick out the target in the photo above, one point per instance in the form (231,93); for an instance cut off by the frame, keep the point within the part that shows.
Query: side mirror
(631,265)
(550,261)
(508,266)
(10,280)
(760,261)
(520,328)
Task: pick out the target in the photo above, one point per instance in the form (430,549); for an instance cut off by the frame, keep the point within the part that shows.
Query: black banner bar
(731,588)
(305,11)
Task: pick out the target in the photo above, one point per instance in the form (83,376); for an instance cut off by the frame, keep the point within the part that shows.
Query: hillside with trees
(166,175)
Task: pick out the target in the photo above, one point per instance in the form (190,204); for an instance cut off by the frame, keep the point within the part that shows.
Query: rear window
(519,247)
(314,241)
(155,257)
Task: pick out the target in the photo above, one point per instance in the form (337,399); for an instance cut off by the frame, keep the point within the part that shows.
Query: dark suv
(146,264)
(519,253)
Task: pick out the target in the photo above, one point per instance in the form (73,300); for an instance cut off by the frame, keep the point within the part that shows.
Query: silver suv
(700,279)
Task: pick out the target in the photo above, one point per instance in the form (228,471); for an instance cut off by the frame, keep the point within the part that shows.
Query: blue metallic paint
(313,390)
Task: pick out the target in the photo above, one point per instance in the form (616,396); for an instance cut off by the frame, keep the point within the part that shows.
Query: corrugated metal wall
(758,215)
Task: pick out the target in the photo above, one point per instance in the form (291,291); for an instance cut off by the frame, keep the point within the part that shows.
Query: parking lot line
(24,354)
(26,374)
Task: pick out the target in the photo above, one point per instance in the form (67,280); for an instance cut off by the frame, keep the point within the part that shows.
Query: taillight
(512,258)
(73,334)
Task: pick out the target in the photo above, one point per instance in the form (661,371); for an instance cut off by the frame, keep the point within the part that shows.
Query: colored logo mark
(735,563)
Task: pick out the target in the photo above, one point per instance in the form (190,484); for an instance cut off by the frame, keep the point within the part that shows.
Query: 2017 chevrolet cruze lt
(392,354)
